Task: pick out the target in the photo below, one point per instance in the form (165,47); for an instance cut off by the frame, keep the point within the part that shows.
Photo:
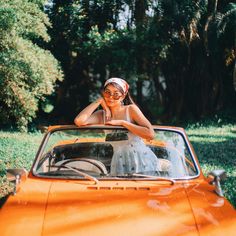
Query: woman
(119,110)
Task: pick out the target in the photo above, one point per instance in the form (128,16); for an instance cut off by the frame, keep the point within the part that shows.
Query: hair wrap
(122,83)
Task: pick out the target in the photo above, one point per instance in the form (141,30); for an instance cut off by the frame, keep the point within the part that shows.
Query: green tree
(196,39)
(178,55)
(27,71)
(76,24)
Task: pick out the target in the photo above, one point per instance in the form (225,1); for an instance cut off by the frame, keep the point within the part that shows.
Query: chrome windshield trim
(179,130)
(187,142)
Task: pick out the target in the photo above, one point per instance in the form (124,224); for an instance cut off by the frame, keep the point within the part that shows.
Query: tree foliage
(177,55)
(197,68)
(27,71)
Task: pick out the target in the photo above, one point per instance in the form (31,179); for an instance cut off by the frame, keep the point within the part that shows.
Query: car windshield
(113,153)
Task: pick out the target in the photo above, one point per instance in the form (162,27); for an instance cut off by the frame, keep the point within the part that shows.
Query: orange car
(71,188)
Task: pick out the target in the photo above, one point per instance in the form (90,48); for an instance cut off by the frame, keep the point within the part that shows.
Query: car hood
(23,213)
(44,207)
(113,208)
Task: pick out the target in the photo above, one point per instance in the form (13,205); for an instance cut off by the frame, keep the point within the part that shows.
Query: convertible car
(72,190)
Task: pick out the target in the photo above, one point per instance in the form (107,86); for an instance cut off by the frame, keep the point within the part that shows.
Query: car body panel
(53,206)
(24,212)
(111,207)
(213,214)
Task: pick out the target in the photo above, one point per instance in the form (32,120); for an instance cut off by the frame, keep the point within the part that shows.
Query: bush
(27,71)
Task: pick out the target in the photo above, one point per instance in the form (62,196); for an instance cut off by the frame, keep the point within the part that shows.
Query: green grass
(17,150)
(215,147)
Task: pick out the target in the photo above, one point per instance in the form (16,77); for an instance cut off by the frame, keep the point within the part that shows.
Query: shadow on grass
(229,189)
(206,136)
(2,173)
(219,155)
(216,153)
(3,200)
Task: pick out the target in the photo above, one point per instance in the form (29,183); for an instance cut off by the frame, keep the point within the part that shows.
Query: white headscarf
(122,83)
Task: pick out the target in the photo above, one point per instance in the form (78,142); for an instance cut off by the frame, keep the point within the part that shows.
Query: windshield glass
(114,153)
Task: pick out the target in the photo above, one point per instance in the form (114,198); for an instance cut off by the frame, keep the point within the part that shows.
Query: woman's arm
(142,127)
(88,116)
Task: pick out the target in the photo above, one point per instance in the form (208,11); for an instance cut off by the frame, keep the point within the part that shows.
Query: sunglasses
(108,94)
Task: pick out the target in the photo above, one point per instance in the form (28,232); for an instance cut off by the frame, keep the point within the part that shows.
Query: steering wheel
(98,164)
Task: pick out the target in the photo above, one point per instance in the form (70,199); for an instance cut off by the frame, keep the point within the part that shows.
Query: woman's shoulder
(132,111)
(132,107)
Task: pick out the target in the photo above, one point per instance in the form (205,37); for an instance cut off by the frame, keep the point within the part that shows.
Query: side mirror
(214,178)
(16,176)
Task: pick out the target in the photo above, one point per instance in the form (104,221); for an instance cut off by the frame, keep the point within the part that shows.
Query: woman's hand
(106,109)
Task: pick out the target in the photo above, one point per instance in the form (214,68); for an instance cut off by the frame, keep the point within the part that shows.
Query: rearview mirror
(16,176)
(215,177)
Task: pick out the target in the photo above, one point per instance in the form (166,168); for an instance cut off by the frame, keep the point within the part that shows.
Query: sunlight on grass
(216,149)
(17,150)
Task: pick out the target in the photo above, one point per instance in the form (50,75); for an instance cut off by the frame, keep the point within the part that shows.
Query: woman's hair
(128,99)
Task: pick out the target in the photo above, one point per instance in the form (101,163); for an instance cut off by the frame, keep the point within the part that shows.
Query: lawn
(214,145)
(17,150)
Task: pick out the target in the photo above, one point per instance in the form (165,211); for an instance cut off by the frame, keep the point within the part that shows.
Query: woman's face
(112,95)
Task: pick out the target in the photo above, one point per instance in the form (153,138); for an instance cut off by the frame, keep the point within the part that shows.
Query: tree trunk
(234,73)
(139,15)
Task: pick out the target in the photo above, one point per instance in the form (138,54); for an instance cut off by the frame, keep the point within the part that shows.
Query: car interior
(92,157)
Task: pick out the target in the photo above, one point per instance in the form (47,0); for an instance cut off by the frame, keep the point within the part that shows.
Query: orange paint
(116,207)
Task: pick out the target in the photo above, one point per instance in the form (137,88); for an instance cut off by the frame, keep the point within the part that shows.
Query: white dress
(133,156)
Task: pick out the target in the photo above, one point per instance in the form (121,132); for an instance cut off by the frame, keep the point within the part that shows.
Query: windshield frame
(177,130)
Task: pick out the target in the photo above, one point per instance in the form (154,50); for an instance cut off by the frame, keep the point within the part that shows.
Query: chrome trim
(179,130)
(187,142)
(39,152)
(107,178)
